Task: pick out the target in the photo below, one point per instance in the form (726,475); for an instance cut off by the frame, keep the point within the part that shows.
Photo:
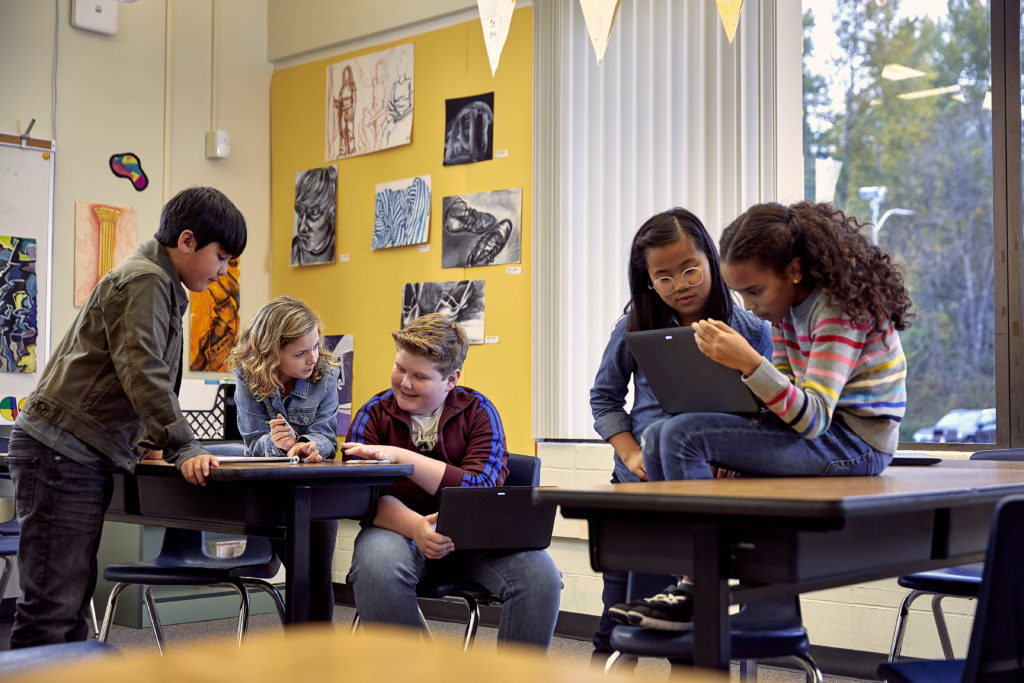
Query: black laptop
(683,379)
(494,518)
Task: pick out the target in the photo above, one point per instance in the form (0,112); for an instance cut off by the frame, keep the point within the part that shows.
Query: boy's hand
(634,460)
(306,452)
(724,345)
(197,468)
(281,433)
(433,545)
(374,452)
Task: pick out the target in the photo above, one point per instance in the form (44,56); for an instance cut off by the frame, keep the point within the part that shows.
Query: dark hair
(833,253)
(646,310)
(208,214)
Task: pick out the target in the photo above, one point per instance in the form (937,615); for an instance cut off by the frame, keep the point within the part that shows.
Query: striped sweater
(822,364)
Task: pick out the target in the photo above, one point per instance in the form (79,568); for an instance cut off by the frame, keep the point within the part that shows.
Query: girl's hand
(306,452)
(372,452)
(724,345)
(634,460)
(197,468)
(433,545)
(281,433)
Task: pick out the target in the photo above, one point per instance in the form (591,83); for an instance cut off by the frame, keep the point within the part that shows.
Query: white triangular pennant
(599,16)
(495,17)
(729,11)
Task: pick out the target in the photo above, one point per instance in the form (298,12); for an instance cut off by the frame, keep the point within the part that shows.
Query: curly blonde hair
(257,353)
(437,337)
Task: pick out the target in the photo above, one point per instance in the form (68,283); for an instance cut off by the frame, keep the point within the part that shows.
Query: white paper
(495,17)
(599,16)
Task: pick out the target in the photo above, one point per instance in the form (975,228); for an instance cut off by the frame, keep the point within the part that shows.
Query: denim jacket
(311,409)
(112,382)
(608,395)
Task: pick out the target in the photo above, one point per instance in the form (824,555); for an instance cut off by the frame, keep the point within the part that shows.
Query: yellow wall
(363,296)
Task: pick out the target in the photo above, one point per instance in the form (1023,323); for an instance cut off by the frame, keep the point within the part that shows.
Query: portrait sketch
(402,213)
(469,129)
(213,324)
(342,346)
(316,204)
(104,236)
(481,229)
(462,301)
(18,304)
(369,103)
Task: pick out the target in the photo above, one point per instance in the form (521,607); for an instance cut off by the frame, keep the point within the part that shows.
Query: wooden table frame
(783,536)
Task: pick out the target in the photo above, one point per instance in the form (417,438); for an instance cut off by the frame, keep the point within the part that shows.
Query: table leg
(711,641)
(296,608)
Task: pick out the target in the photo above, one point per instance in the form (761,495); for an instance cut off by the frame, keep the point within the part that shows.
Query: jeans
(60,505)
(685,446)
(322,539)
(386,567)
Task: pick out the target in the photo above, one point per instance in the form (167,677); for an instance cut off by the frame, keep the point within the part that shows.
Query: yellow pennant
(729,11)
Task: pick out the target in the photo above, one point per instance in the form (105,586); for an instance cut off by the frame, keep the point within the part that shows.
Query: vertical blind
(673,116)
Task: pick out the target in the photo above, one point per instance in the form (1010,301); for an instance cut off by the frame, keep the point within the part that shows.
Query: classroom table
(272,499)
(783,536)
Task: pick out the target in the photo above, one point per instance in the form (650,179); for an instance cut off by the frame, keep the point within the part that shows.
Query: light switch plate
(99,16)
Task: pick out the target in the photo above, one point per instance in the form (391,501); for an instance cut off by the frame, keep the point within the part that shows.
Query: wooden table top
(315,654)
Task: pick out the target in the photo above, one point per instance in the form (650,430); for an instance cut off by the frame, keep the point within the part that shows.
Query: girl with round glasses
(674,280)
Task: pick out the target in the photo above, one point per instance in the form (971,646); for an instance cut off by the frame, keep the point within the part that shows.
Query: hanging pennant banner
(729,11)
(599,16)
(495,17)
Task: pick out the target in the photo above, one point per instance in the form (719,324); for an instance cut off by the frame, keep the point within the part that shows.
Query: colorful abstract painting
(104,236)
(369,103)
(342,346)
(18,304)
(213,327)
(10,406)
(402,213)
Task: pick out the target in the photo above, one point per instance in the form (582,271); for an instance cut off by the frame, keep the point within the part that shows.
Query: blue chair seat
(645,642)
(46,655)
(961,581)
(10,527)
(931,670)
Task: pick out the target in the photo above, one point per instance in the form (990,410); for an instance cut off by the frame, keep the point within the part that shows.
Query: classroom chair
(961,581)
(523,470)
(183,562)
(761,630)
(995,652)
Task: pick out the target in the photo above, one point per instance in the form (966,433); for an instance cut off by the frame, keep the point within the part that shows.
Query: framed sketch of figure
(316,193)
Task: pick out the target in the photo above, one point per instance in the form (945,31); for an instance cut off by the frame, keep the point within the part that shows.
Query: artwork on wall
(469,129)
(104,236)
(482,229)
(342,346)
(369,103)
(129,166)
(402,213)
(462,301)
(316,205)
(213,326)
(18,302)
(10,406)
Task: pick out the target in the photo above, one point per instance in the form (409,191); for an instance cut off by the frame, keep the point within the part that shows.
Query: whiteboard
(26,210)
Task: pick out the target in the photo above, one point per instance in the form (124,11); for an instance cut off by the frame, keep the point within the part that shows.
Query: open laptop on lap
(683,379)
(494,518)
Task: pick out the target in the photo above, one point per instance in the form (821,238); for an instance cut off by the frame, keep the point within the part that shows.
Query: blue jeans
(685,446)
(60,505)
(386,567)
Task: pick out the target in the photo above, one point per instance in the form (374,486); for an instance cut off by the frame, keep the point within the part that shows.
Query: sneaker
(669,610)
(619,613)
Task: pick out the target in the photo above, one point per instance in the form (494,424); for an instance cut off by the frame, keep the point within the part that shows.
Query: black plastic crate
(219,422)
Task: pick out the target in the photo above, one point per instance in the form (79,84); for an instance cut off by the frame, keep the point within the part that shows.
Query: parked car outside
(961,426)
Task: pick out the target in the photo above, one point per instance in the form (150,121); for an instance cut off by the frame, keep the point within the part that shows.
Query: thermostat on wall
(218,144)
(99,16)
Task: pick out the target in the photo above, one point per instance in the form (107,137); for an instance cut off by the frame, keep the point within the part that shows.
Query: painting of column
(104,236)
(481,229)
(402,213)
(342,346)
(469,129)
(316,205)
(213,326)
(18,304)
(369,103)
(462,301)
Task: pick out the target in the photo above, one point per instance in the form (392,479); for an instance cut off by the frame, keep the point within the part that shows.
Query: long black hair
(646,310)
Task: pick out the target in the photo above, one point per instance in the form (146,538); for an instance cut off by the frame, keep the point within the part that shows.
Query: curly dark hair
(833,254)
(648,311)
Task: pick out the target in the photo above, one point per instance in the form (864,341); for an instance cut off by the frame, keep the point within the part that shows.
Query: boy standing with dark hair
(452,436)
(108,398)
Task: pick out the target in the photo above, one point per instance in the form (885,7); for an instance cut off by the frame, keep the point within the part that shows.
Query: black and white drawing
(316,193)
(462,301)
(469,129)
(342,346)
(482,229)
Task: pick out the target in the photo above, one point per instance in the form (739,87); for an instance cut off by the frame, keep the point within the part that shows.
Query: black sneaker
(619,613)
(669,610)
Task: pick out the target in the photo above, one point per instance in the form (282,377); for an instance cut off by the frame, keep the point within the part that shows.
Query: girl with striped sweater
(835,388)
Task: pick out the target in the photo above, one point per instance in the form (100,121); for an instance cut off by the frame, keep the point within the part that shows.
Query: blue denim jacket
(608,395)
(311,409)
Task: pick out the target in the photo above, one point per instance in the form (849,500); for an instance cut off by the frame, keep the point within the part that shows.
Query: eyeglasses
(691,277)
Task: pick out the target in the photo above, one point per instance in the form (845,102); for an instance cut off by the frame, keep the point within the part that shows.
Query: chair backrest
(999,454)
(187,548)
(523,470)
(996,651)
